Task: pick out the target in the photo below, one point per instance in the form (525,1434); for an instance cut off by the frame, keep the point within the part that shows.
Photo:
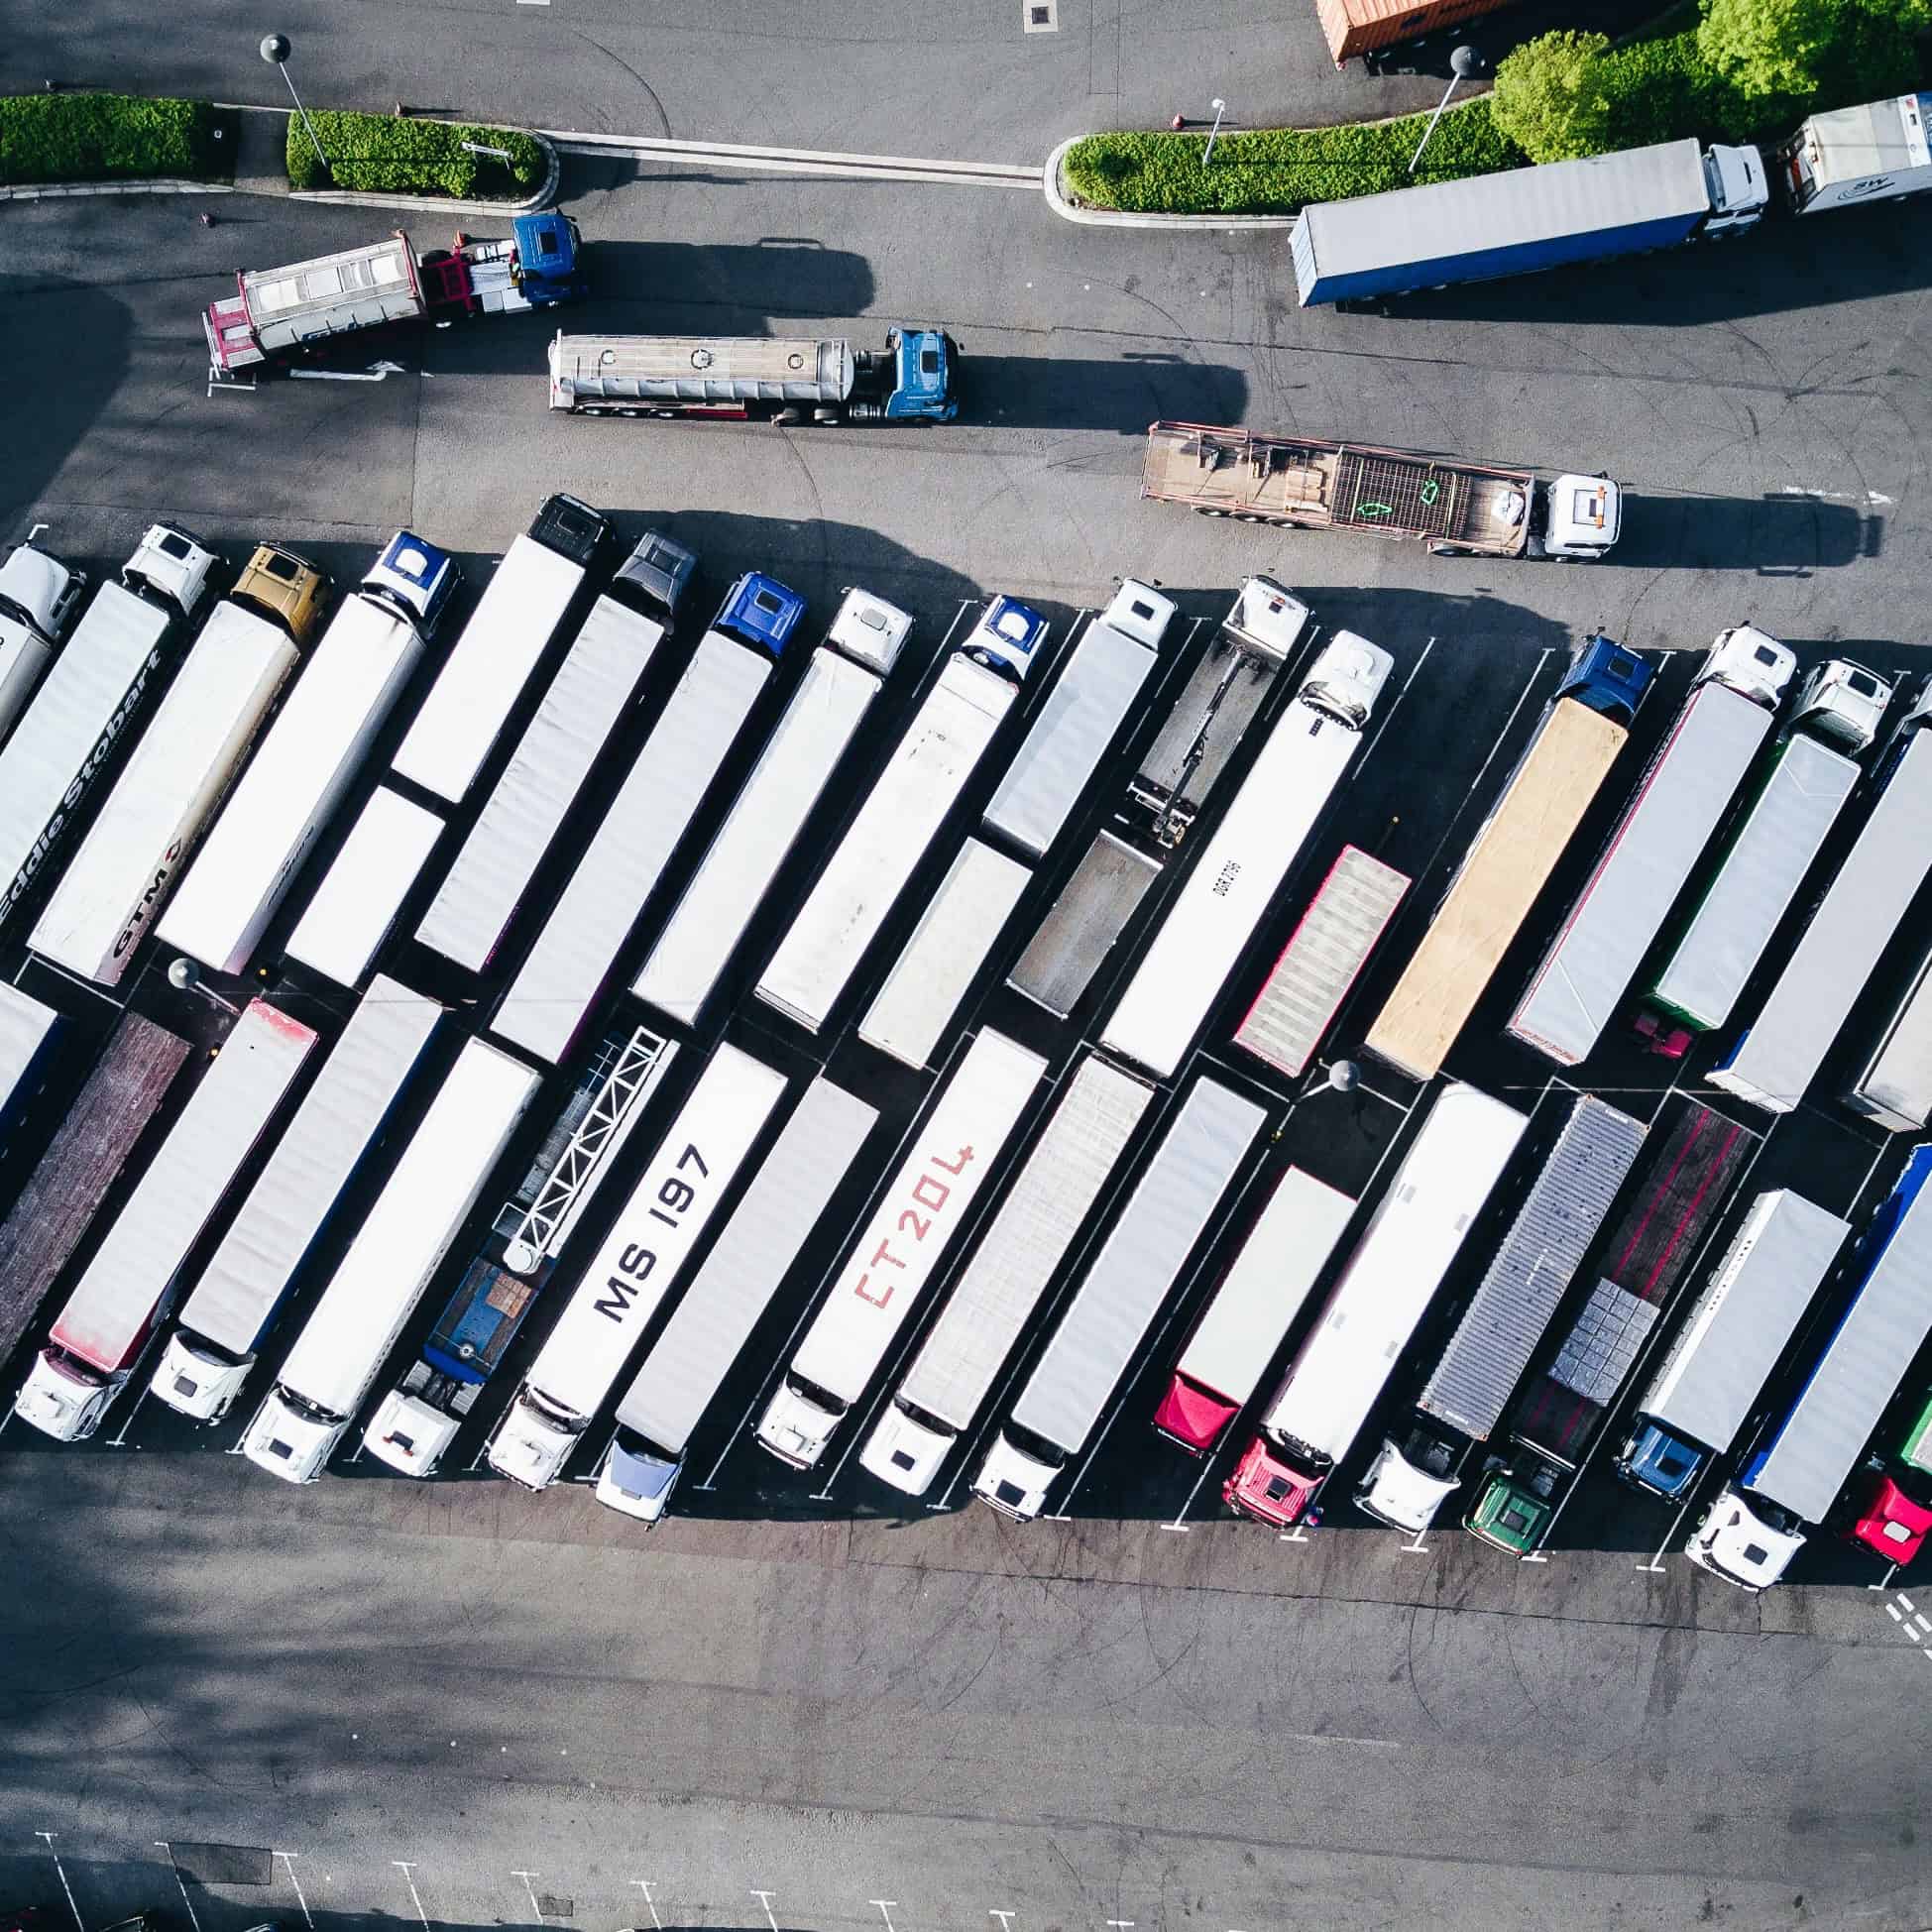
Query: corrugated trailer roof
(1896,1085)
(344,925)
(25,1026)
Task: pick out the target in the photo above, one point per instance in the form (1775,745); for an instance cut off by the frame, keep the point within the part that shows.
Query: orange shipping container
(1357,27)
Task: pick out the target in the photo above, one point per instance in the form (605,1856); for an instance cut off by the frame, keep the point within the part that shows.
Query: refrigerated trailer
(1677,806)
(1420,1466)
(1091,700)
(1305,988)
(299,777)
(624,858)
(636,1268)
(1417,1230)
(1083,924)
(355,907)
(1229,891)
(1511,858)
(939,962)
(1895,1088)
(1691,1410)
(93,1145)
(1252,1311)
(949,1156)
(773,806)
(748,1265)
(1852,156)
(120,877)
(1169,1211)
(484,887)
(1799,1462)
(1679,1192)
(246,1284)
(1777,1055)
(1030,1236)
(382,1277)
(128,1284)
(522,609)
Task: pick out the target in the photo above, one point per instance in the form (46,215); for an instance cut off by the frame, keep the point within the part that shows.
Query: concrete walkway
(261,160)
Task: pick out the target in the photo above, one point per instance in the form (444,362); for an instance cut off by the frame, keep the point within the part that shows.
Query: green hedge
(1276,171)
(387,155)
(113,138)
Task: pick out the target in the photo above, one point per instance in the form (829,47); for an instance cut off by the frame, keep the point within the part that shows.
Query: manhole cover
(1041,16)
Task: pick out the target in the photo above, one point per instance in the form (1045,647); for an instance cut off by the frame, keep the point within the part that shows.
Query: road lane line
(180,1883)
(406,1867)
(288,1859)
(64,1887)
(644,1885)
(537,1909)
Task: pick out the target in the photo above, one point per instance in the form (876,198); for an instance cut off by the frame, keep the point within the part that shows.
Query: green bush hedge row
(1276,171)
(387,155)
(113,137)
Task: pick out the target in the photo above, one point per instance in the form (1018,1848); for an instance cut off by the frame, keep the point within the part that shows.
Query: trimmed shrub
(114,138)
(385,154)
(1550,98)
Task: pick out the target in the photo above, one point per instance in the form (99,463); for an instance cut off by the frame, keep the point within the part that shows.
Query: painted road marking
(407,1868)
(1005,1918)
(644,1885)
(180,1885)
(764,1898)
(752,160)
(64,1887)
(536,1908)
(885,1910)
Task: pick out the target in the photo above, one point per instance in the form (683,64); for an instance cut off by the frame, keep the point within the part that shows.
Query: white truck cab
(175,565)
(1733,1541)
(1014,1482)
(291,1440)
(794,1427)
(408,1434)
(61,1399)
(637,1481)
(869,629)
(904,1452)
(1583,517)
(1751,662)
(1138,611)
(1267,617)
(39,600)
(1844,704)
(1347,678)
(197,1380)
(531,1445)
(1739,191)
(1399,1494)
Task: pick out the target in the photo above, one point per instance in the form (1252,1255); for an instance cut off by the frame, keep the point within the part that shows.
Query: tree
(1795,47)
(1548,98)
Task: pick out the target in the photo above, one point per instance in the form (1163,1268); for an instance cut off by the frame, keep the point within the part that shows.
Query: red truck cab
(1889,1522)
(1267,1489)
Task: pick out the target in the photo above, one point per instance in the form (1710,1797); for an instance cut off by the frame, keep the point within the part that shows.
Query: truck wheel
(1207,510)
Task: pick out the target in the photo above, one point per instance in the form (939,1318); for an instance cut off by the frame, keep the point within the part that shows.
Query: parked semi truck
(309,755)
(1895,1087)
(748,1263)
(246,1284)
(1458,509)
(1229,891)
(860,880)
(1570,753)
(1169,1211)
(1690,1411)
(773,806)
(1677,806)
(1470,1384)
(624,859)
(789,379)
(1417,1230)
(416,1421)
(275,316)
(39,597)
(382,1274)
(119,878)
(1326,951)
(1891,1516)
(1851,156)
(1800,1459)
(1083,924)
(127,1287)
(636,1266)
(915,1219)
(94,1142)
(1777,1056)
(1674,1203)
(107,673)
(1030,1236)
(1775,836)
(1250,1314)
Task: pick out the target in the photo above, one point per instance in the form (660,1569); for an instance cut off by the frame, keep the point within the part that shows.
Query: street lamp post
(1464,62)
(274,51)
(185,978)
(1220,108)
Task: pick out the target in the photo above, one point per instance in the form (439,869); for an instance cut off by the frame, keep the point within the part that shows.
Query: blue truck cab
(922,390)
(1607,678)
(415,580)
(1656,1460)
(759,612)
(1005,637)
(549,254)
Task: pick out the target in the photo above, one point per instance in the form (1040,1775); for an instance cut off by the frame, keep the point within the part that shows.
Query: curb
(48,190)
(1068,210)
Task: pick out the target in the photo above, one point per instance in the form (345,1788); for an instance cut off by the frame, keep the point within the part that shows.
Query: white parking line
(644,1885)
(885,1910)
(1005,1918)
(536,1908)
(1655,1565)
(288,1859)
(62,1870)
(764,1898)
(180,1883)
(407,1868)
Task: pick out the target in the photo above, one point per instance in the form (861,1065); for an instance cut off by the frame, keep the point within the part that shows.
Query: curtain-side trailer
(355,907)
(1895,1088)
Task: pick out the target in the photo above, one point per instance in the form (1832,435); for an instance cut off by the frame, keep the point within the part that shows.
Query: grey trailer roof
(1519,207)
(24,1027)
(1726,1350)
(1081,925)
(1002,1284)
(1650,857)
(1166,1214)
(339,1117)
(1779,1055)
(1760,874)
(1069,736)
(1522,1286)
(1806,1463)
(1896,1086)
(628,851)
(500,858)
(746,1267)
(343,926)
(704,368)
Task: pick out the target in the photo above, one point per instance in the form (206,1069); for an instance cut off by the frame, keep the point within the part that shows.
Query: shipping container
(636,1267)
(949,1157)
(1895,1088)
(1030,1236)
(748,1265)
(128,1284)
(1169,1211)
(1083,924)
(481,892)
(355,905)
(1354,28)
(246,1282)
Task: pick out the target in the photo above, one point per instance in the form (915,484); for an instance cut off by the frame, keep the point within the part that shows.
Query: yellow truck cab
(286,587)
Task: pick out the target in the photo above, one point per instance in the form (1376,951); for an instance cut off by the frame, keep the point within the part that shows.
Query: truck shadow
(48,420)
(665,287)
(1123,394)
(1785,535)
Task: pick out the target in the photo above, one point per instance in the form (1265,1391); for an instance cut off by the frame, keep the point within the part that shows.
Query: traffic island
(393,154)
(97,141)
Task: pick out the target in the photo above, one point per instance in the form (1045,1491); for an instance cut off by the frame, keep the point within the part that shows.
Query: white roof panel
(355,906)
